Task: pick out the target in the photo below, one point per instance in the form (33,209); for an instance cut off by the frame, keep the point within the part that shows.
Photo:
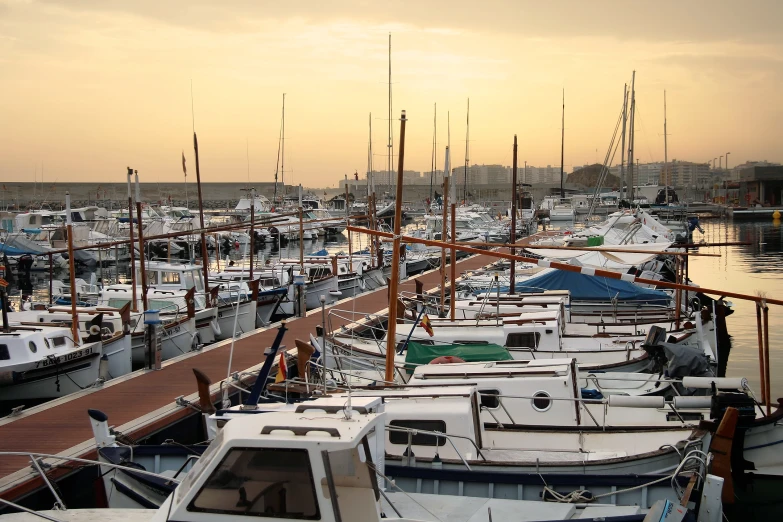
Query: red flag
(426,324)
(184,169)
(282,370)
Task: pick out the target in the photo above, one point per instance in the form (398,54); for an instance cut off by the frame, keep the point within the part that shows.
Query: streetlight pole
(727,160)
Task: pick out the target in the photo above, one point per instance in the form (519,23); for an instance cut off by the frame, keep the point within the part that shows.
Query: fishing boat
(44,362)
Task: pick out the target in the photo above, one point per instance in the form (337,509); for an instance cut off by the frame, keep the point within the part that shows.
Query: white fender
(215,327)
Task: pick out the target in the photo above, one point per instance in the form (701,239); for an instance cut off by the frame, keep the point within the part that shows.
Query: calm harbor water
(749,269)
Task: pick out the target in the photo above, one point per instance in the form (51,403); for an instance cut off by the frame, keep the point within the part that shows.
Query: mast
(434,147)
(513,238)
(282,146)
(622,148)
(467,149)
(666,152)
(279,143)
(395,268)
(390,145)
(562,147)
(134,306)
(631,138)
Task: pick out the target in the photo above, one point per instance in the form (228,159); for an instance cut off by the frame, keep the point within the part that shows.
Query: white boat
(43,362)
(268,464)
(114,330)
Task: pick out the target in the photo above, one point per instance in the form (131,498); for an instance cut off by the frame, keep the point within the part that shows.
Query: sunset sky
(89,87)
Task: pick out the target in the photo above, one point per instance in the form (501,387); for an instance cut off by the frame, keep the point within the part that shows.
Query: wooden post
(51,277)
(443,235)
(132,246)
(350,246)
(71,272)
(453,263)
(142,258)
(252,229)
(766,357)
(678,292)
(391,329)
(762,372)
(204,252)
(513,235)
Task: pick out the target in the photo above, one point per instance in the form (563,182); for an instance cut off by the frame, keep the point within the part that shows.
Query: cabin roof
(273,428)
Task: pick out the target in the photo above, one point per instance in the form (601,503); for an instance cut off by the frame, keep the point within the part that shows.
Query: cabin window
(490,399)
(118,303)
(4,354)
(58,341)
(152,277)
(541,401)
(418,439)
(261,482)
(169,278)
(32,346)
(33,220)
(188,280)
(523,340)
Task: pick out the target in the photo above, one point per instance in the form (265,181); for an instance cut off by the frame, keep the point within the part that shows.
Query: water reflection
(751,269)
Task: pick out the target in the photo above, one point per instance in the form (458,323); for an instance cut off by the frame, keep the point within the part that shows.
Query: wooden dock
(144,402)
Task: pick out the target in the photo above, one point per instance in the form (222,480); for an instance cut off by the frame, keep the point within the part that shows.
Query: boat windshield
(261,482)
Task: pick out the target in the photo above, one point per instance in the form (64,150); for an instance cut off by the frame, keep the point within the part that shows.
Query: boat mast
(279,143)
(622,149)
(562,147)
(631,138)
(665,152)
(282,146)
(390,144)
(467,150)
(434,148)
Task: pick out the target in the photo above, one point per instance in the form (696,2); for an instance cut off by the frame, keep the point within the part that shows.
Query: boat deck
(145,401)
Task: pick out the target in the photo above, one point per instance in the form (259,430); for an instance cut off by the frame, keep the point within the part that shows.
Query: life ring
(447,359)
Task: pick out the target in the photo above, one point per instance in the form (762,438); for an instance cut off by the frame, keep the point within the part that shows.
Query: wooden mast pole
(391,329)
(142,258)
(71,273)
(252,228)
(513,235)
(453,263)
(132,246)
(204,252)
(443,235)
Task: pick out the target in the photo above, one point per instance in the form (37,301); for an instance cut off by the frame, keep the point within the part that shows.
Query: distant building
(685,174)
(735,171)
(643,173)
(761,184)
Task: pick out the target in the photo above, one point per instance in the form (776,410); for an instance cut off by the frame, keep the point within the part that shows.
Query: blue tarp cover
(591,288)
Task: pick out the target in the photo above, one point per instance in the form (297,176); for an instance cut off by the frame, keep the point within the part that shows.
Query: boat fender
(722,383)
(629,401)
(215,327)
(692,402)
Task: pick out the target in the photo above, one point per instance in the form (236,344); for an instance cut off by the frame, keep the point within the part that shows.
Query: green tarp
(418,353)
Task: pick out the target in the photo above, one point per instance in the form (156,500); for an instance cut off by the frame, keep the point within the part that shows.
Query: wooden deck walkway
(63,425)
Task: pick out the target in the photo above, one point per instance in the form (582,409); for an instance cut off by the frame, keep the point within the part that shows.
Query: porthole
(541,401)
(33,347)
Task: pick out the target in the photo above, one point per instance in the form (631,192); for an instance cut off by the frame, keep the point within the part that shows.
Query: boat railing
(37,462)
(438,434)
(657,402)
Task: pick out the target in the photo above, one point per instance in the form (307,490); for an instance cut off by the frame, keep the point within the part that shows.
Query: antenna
(467,160)
(562,147)
(391,131)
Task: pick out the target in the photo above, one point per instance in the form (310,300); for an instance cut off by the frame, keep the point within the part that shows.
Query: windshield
(261,482)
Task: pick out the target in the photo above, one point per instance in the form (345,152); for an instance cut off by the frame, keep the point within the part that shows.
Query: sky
(89,87)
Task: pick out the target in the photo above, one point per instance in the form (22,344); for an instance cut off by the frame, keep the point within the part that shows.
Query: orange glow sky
(90,86)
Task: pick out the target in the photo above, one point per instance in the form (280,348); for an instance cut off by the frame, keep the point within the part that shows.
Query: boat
(44,362)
